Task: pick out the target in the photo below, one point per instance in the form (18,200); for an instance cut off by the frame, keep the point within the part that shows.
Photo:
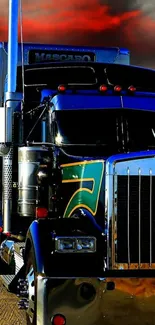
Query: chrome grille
(135,221)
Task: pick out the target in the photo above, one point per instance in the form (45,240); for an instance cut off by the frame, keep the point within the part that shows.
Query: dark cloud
(145,6)
(125,23)
(119,6)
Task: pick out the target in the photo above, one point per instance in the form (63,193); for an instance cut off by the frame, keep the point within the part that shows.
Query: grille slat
(135,219)
(128,216)
(139,219)
(150,217)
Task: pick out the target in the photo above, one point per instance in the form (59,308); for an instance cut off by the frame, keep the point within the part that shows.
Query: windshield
(105,132)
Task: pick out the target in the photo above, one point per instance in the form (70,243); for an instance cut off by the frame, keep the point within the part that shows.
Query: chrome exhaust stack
(6,116)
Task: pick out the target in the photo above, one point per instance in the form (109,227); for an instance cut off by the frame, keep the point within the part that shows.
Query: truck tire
(30,276)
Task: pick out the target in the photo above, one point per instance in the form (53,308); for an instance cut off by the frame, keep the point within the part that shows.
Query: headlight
(75,244)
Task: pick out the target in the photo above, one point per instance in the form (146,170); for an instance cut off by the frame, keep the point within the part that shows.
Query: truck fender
(33,239)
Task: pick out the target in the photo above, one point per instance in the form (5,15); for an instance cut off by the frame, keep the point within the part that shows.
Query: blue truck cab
(97,111)
(101,120)
(83,179)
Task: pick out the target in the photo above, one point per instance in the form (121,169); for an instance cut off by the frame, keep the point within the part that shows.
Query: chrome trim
(114,222)
(108,208)
(31,293)
(10,255)
(75,240)
(7,251)
(128,216)
(139,218)
(150,217)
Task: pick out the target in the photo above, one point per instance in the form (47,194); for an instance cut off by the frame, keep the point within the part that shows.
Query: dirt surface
(9,312)
(117,307)
(121,308)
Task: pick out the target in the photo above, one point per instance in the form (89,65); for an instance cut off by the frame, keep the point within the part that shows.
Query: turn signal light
(41,212)
(117,89)
(103,88)
(58,320)
(8,234)
(61,88)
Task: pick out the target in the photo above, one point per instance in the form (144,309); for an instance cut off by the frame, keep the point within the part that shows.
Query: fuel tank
(29,160)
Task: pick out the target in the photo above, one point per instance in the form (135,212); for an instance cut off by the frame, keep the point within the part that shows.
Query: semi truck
(77,146)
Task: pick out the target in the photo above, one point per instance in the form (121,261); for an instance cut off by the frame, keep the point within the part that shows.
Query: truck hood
(83,100)
(85,181)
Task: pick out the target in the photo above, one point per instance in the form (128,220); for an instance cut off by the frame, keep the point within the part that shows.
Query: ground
(9,312)
(118,307)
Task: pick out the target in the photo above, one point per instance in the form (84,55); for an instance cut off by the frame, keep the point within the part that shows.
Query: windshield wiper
(82,145)
(67,144)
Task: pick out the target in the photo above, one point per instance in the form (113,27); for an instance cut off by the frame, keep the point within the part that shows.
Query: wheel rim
(31,294)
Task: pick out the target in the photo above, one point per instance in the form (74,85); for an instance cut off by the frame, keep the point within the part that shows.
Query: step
(10,280)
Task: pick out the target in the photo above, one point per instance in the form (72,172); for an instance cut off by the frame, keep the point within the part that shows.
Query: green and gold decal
(88,176)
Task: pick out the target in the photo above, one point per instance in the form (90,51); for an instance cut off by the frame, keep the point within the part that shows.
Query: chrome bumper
(62,296)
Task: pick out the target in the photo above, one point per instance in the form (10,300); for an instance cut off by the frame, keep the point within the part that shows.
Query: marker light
(58,320)
(132,89)
(75,244)
(41,212)
(117,89)
(61,88)
(103,88)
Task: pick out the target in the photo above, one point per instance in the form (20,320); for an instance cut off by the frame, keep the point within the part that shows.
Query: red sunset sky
(126,23)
